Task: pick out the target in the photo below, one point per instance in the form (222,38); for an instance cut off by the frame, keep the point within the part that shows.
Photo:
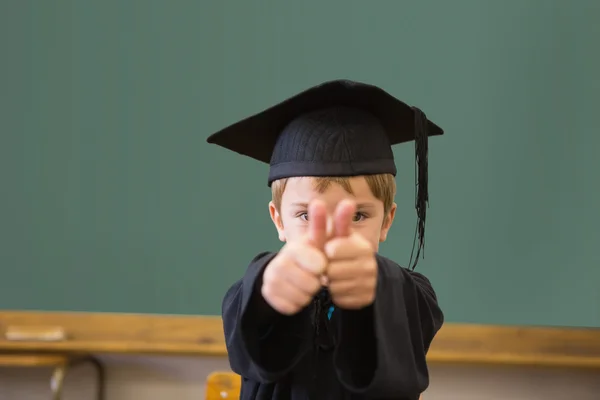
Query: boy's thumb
(317,223)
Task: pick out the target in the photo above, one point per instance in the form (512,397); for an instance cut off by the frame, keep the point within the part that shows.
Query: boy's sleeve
(262,344)
(382,348)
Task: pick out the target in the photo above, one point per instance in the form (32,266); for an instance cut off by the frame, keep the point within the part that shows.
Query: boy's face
(291,220)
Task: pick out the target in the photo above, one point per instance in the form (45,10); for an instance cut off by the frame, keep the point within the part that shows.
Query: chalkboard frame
(176,335)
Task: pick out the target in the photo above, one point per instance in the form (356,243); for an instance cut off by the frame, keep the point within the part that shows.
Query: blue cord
(330,312)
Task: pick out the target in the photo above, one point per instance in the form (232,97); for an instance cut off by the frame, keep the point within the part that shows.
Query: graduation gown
(374,353)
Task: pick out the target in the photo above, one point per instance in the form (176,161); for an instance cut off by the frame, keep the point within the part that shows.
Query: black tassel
(421,192)
(322,331)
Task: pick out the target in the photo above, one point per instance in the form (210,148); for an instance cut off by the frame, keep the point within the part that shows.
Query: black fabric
(338,141)
(375,353)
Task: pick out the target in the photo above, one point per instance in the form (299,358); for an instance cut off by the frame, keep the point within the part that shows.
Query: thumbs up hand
(352,268)
(338,257)
(295,275)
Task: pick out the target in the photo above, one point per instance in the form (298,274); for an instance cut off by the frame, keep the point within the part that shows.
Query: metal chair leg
(60,372)
(57,381)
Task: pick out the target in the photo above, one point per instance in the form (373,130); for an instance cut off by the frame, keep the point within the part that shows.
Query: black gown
(374,353)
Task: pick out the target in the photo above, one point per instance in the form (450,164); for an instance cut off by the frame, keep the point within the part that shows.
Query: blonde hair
(383,187)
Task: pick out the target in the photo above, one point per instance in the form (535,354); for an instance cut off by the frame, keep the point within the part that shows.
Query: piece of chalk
(28,333)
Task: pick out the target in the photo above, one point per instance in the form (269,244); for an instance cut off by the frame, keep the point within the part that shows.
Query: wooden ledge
(66,332)
(97,333)
(517,345)
(32,360)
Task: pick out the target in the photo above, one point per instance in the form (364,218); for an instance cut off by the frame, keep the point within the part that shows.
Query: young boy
(327,317)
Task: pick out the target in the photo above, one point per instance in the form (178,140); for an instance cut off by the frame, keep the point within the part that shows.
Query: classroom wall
(156,378)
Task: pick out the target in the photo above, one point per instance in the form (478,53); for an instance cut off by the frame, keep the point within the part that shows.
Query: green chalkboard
(112,201)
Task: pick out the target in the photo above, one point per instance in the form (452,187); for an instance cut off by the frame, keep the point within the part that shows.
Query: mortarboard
(338,128)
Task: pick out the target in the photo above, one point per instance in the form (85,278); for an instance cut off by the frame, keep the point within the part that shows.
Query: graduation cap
(338,128)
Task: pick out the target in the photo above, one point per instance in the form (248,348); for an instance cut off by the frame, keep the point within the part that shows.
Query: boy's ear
(387,223)
(276,218)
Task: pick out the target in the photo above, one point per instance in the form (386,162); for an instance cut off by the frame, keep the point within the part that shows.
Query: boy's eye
(358,217)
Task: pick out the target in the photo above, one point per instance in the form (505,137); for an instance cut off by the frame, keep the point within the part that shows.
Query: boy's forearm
(253,329)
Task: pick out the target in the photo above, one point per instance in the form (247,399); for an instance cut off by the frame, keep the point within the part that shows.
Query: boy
(327,317)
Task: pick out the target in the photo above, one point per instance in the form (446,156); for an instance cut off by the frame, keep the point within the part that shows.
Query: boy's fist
(352,269)
(293,277)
